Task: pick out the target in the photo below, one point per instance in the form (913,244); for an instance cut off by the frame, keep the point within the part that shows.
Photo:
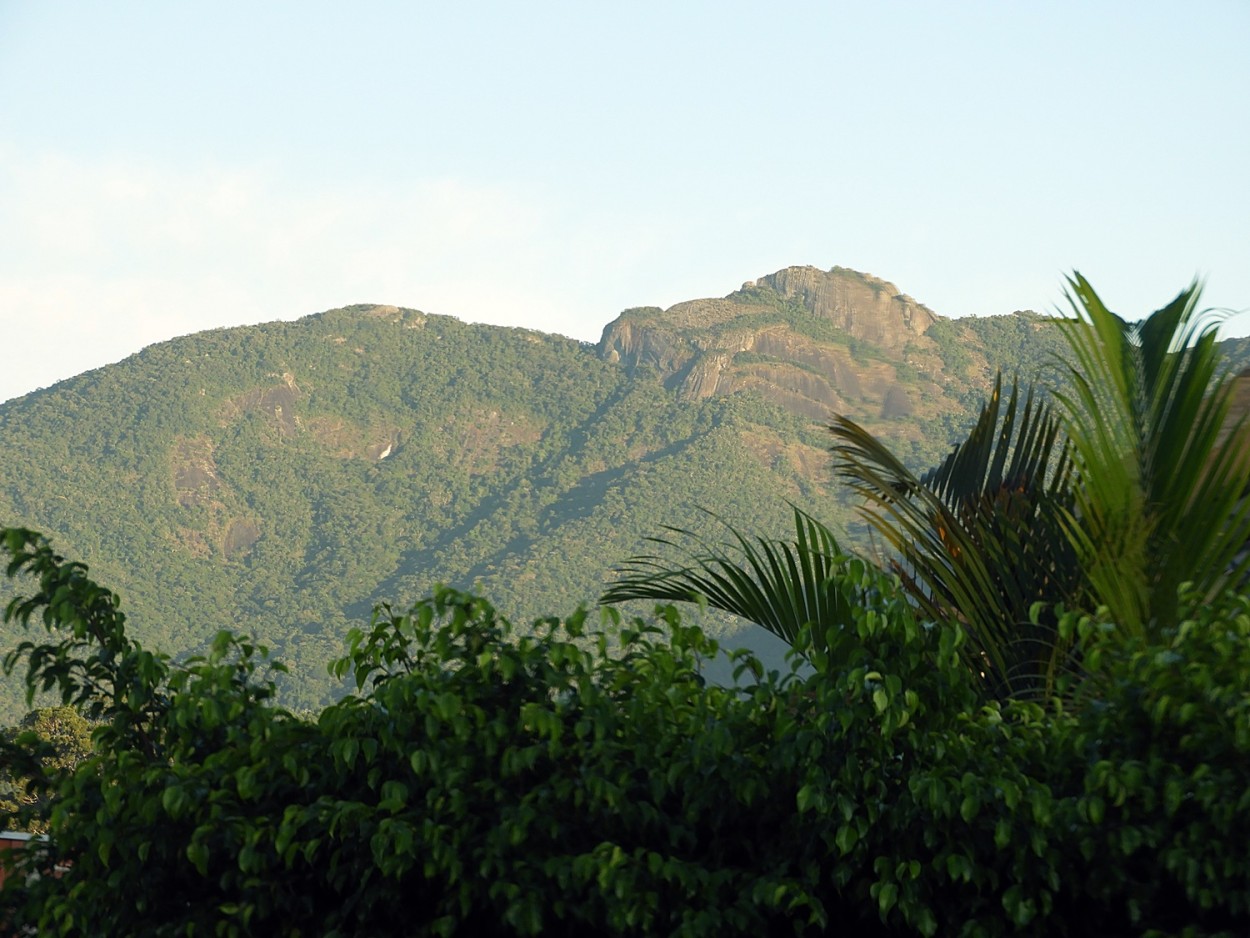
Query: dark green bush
(585,780)
(1159,756)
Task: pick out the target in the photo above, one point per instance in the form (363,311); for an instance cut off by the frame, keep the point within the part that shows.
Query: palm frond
(781,586)
(1163,476)
(979,539)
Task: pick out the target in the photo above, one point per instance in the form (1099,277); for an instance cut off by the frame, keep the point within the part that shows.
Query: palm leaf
(1163,474)
(778,585)
(979,540)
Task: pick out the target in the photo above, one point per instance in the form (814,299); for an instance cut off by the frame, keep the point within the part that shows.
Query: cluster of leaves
(1160,739)
(47,745)
(586,780)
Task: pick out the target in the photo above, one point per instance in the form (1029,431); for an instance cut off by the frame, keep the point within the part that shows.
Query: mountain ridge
(285,477)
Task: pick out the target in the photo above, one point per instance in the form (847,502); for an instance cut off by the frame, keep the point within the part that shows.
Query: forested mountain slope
(283,478)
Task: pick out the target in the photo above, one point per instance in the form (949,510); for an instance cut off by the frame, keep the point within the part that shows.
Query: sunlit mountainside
(284,478)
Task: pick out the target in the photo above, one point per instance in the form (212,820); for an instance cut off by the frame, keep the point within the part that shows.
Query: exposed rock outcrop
(867,308)
(816,342)
(194,471)
(276,403)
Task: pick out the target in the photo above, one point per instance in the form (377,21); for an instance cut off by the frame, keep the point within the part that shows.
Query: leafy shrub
(1160,748)
(583,779)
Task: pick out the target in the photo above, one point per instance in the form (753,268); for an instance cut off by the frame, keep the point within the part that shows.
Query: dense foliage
(584,779)
(48,744)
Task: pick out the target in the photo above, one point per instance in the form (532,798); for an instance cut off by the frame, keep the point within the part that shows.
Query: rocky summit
(816,342)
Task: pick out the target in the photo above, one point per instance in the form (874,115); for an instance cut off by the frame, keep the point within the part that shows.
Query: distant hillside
(283,478)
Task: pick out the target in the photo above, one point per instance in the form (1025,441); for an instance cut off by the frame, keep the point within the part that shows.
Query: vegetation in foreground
(585,779)
(484,783)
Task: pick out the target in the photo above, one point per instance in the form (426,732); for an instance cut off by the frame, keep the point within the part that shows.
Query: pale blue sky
(169,167)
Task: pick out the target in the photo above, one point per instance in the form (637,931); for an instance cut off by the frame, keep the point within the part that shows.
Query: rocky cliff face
(869,309)
(816,342)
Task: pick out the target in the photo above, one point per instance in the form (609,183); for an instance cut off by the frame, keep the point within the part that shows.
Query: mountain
(283,478)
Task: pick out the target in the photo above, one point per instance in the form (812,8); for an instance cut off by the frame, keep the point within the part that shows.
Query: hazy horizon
(171,168)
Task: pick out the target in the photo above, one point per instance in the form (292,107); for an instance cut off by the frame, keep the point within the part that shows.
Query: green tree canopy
(583,780)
